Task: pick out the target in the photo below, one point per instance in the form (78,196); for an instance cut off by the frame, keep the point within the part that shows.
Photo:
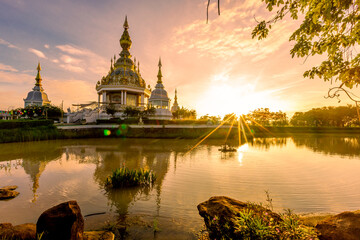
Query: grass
(123,177)
(257,221)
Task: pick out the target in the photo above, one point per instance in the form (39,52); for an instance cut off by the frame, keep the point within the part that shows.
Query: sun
(222,98)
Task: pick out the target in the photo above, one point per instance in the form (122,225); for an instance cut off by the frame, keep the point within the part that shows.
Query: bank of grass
(29,134)
(124,177)
(258,221)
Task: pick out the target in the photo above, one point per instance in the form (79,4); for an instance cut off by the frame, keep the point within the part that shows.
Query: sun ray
(239,131)
(261,126)
(227,135)
(243,130)
(222,123)
(247,126)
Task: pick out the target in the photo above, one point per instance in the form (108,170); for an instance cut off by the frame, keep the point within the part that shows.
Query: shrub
(123,177)
(11,124)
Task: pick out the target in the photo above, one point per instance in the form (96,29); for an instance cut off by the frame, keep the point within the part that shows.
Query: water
(309,174)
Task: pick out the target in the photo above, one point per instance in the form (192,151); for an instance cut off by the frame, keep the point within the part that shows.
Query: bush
(123,177)
(11,124)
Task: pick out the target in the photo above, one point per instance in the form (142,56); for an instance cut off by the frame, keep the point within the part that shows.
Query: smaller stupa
(175,106)
(37,97)
(159,98)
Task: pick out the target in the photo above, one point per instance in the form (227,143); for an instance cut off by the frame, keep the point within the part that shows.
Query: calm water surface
(306,174)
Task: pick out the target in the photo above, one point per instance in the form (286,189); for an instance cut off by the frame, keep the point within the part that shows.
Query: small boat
(227,148)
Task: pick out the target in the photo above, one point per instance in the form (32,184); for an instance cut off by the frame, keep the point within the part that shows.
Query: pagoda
(175,105)
(123,85)
(159,98)
(37,97)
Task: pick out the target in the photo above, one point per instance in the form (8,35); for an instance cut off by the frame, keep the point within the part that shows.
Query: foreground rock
(98,235)
(8,192)
(25,231)
(221,211)
(344,226)
(62,222)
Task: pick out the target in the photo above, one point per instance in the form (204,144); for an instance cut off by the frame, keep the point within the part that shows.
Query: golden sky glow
(216,67)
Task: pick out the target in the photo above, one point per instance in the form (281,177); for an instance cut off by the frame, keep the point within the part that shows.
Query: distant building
(175,106)
(159,98)
(123,85)
(37,97)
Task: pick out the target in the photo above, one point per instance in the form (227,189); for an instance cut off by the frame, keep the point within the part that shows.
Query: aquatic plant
(123,177)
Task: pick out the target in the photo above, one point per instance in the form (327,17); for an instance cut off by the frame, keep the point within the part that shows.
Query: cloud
(46,46)
(67,59)
(73,50)
(84,58)
(229,35)
(38,53)
(9,68)
(72,68)
(9,45)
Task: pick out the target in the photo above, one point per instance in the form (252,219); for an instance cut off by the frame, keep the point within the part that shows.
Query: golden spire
(126,25)
(139,67)
(111,66)
(135,63)
(38,76)
(114,60)
(125,41)
(159,76)
(175,99)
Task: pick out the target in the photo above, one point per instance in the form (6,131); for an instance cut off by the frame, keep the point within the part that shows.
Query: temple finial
(38,76)
(159,73)
(114,60)
(111,65)
(126,25)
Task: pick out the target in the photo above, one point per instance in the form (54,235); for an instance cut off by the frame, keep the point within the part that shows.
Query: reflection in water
(57,171)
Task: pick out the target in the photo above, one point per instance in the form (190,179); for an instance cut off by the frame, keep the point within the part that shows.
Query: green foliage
(110,109)
(184,113)
(256,221)
(212,119)
(29,134)
(11,124)
(136,112)
(123,177)
(342,116)
(330,28)
(33,111)
(265,117)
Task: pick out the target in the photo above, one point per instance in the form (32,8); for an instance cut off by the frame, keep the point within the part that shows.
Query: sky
(217,68)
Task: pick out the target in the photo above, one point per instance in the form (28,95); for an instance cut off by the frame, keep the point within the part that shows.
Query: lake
(309,174)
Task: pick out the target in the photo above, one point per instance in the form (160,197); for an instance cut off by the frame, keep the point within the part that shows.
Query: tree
(184,113)
(110,109)
(265,117)
(330,28)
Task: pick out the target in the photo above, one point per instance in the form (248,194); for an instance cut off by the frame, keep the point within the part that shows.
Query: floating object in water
(227,148)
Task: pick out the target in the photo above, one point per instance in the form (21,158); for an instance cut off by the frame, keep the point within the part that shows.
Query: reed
(124,177)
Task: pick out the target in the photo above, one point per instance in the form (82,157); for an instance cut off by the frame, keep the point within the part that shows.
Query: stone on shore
(343,226)
(98,235)
(61,222)
(8,192)
(25,231)
(221,211)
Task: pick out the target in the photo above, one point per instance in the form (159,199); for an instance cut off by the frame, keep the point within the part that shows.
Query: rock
(8,192)
(99,235)
(344,226)
(25,231)
(221,211)
(12,187)
(62,222)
